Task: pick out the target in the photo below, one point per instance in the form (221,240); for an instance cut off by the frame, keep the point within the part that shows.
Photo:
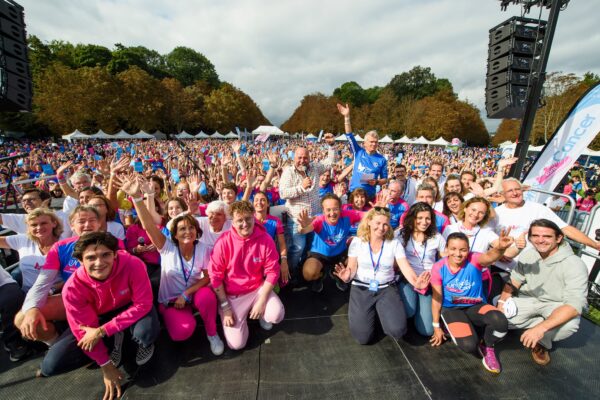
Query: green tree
(40,56)
(188,66)
(352,93)
(142,100)
(63,52)
(418,83)
(91,55)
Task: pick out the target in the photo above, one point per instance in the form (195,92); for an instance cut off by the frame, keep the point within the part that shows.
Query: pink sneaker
(489,360)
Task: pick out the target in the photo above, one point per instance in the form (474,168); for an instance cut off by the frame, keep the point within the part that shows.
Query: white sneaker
(267,326)
(216,345)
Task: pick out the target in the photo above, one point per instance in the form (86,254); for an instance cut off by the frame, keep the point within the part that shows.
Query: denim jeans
(64,355)
(297,246)
(419,306)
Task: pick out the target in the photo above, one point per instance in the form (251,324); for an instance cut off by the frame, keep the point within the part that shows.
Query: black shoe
(341,285)
(17,350)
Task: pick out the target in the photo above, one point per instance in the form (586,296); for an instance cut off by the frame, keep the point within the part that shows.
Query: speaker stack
(513,54)
(15,77)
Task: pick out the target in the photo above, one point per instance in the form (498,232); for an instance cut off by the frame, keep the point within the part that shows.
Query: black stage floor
(311,355)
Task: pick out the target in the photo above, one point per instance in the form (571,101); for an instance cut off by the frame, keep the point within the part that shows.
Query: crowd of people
(150,233)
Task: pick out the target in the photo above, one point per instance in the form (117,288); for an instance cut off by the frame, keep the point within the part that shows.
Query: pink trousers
(180,323)
(237,335)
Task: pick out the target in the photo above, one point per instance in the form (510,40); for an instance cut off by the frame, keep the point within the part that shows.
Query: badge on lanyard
(374,283)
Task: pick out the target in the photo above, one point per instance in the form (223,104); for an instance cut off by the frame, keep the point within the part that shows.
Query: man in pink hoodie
(243,269)
(110,294)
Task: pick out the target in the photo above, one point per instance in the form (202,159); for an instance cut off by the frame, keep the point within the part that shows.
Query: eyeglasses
(384,209)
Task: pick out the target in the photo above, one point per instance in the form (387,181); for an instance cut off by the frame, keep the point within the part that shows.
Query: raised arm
(131,186)
(62,180)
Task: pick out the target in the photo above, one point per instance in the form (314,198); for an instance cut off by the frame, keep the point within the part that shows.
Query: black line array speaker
(15,76)
(513,54)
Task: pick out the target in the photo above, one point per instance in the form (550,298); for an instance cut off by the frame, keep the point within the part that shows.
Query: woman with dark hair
(452,203)
(472,220)
(184,282)
(107,216)
(453,185)
(274,228)
(422,246)
(356,201)
(371,258)
(459,299)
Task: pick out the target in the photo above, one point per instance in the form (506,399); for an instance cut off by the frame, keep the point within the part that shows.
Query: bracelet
(186,298)
(501,301)
(435,324)
(225,304)
(284,257)
(138,199)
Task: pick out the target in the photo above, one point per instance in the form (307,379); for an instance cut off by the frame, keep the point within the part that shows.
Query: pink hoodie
(243,264)
(86,298)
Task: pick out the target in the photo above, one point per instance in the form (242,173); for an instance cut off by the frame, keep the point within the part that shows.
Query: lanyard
(474,236)
(376,266)
(416,253)
(186,276)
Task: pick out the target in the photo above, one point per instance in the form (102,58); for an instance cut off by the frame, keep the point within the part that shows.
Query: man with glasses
(518,214)
(31,199)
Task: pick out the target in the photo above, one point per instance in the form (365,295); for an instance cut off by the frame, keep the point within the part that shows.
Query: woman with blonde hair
(370,267)
(43,230)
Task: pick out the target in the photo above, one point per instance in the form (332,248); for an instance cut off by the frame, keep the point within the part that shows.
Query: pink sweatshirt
(243,264)
(86,299)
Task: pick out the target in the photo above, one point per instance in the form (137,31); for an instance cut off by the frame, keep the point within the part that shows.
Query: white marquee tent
(386,139)
(404,139)
(271,130)
(201,135)
(159,135)
(101,135)
(341,138)
(76,134)
(143,135)
(217,135)
(184,135)
(231,135)
(440,142)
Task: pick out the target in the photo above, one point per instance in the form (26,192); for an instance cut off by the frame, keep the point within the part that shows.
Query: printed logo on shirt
(335,239)
(37,266)
(256,259)
(124,292)
(460,286)
(361,168)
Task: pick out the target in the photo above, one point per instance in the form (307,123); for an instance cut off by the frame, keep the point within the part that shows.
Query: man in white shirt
(518,214)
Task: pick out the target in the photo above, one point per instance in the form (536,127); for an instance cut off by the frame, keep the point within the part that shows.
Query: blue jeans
(297,246)
(64,355)
(419,306)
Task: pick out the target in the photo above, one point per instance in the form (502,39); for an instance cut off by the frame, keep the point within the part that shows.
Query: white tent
(506,144)
(440,142)
(310,136)
(143,135)
(217,135)
(122,135)
(159,135)
(271,130)
(404,139)
(386,139)
(76,134)
(341,138)
(201,135)
(358,138)
(231,135)
(100,135)
(184,135)
(421,140)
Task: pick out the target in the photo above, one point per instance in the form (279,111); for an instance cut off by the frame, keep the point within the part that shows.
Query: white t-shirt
(172,280)
(422,256)
(116,229)
(18,223)
(479,238)
(31,258)
(209,237)
(519,219)
(392,250)
(439,206)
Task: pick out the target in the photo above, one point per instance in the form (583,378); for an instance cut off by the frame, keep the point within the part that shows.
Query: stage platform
(311,355)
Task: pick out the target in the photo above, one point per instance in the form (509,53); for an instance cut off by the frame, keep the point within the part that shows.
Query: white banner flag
(576,132)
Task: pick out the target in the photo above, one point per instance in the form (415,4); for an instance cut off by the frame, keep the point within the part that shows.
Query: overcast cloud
(279,51)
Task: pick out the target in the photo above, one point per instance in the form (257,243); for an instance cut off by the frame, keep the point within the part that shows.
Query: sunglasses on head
(385,209)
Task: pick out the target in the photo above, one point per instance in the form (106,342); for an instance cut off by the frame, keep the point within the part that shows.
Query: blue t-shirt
(327,189)
(463,289)
(365,163)
(330,240)
(397,210)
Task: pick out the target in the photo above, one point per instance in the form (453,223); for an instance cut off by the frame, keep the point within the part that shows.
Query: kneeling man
(548,289)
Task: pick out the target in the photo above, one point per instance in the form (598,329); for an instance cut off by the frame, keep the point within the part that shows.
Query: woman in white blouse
(423,246)
(370,267)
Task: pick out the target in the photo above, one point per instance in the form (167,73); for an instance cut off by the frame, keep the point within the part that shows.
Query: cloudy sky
(278,51)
